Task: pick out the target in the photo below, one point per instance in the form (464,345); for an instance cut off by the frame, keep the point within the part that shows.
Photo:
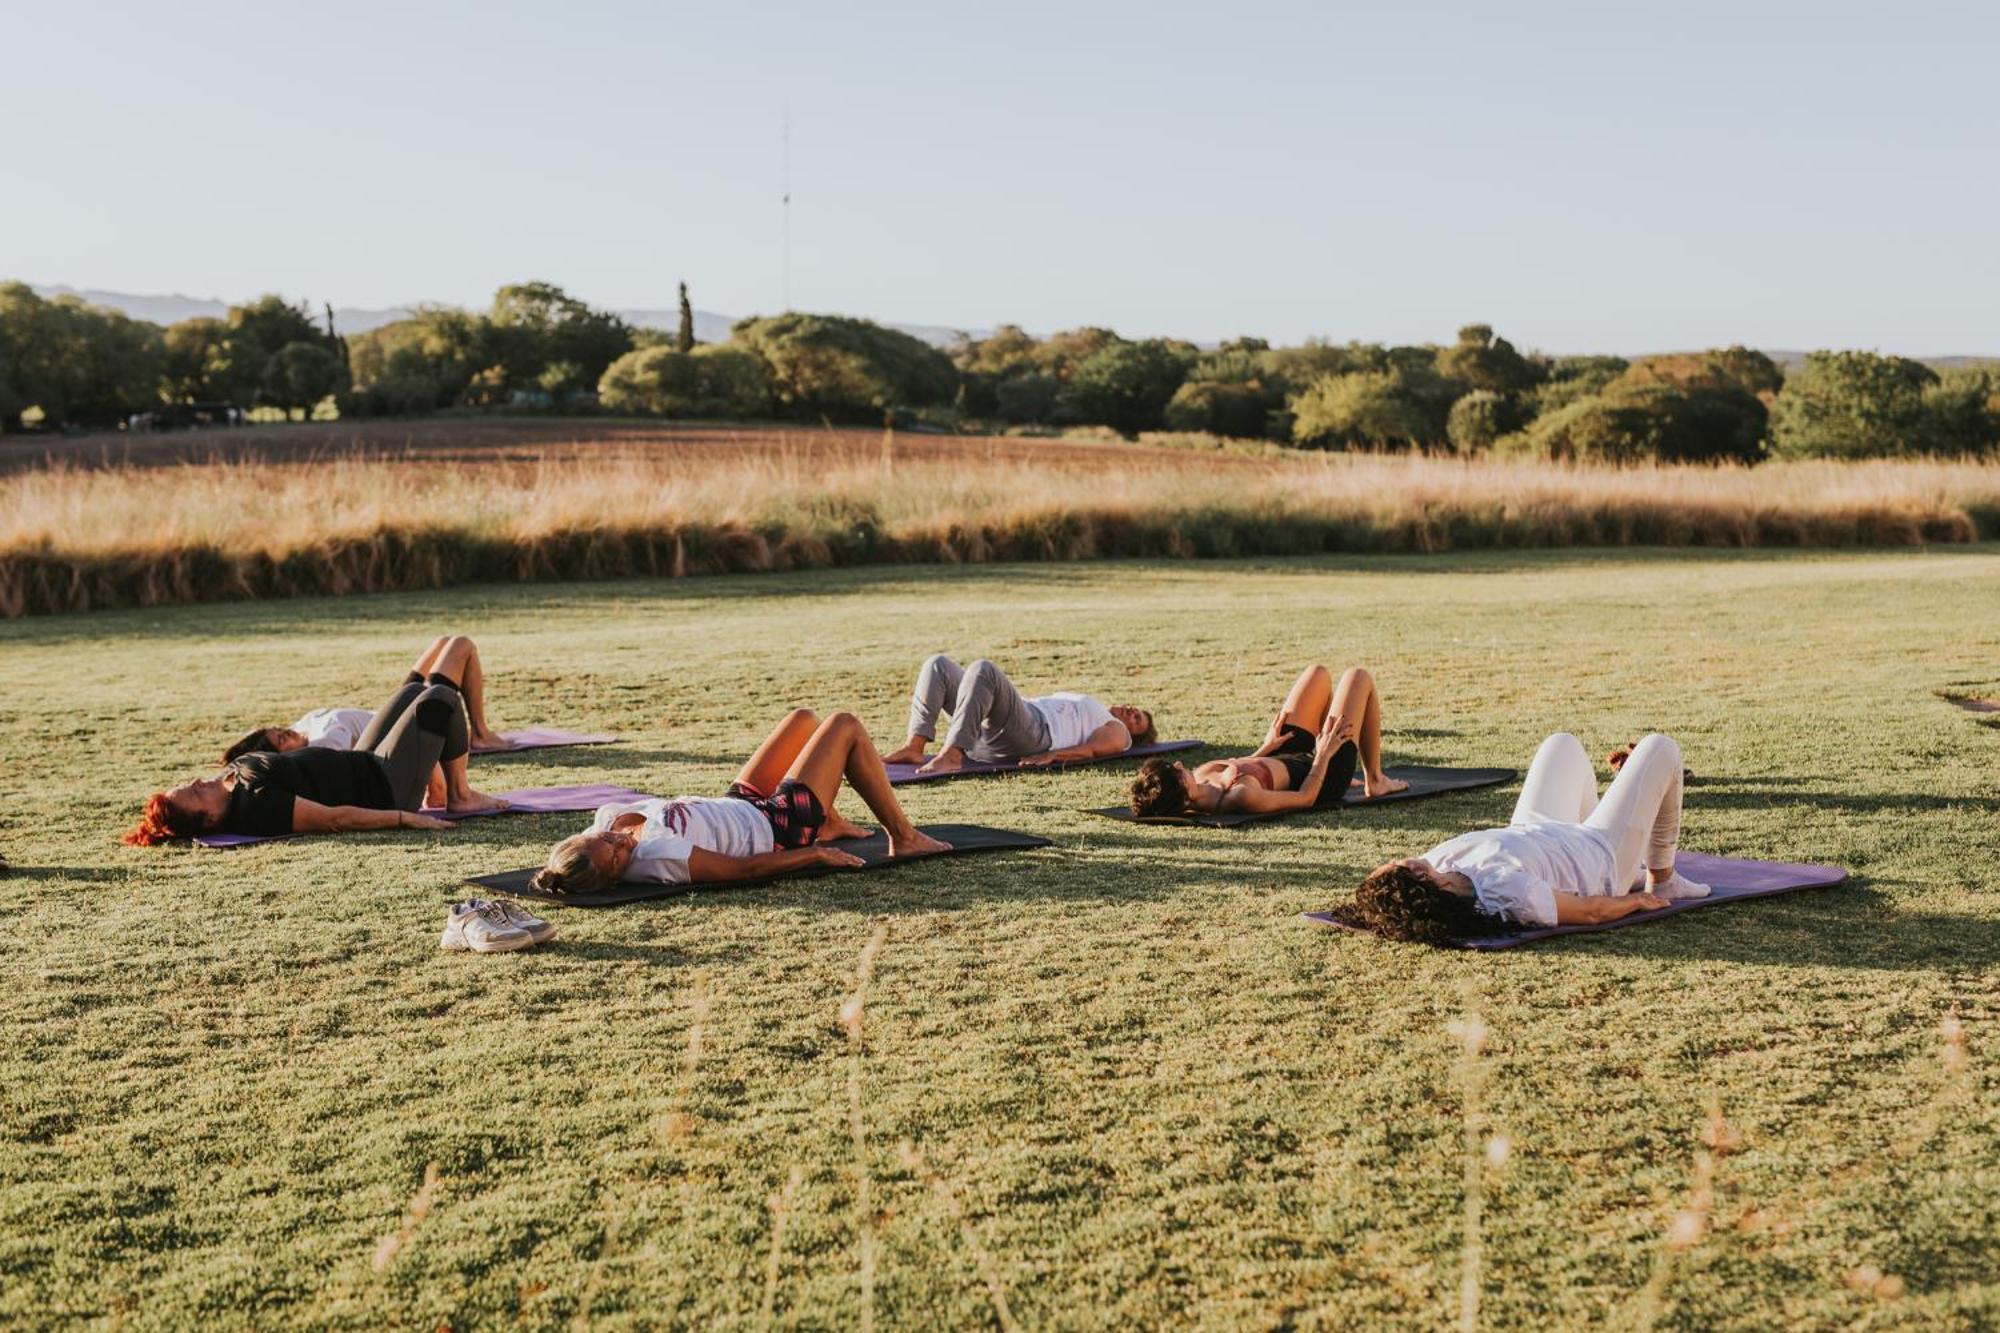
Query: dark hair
(253,742)
(163,821)
(1397,903)
(1152,731)
(1158,792)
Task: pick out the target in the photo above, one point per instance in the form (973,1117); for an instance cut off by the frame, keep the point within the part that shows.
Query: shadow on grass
(1851,925)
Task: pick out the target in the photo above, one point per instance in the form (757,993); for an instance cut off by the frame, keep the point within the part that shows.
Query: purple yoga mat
(542,738)
(527,801)
(1731,879)
(901,775)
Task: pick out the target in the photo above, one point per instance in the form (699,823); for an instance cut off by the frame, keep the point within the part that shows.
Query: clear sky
(1584,176)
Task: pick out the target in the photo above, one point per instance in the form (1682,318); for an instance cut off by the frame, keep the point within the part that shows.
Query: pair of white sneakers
(498,925)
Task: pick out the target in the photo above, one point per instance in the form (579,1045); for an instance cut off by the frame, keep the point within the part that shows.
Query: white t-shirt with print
(1517,871)
(1071,718)
(675,828)
(333,728)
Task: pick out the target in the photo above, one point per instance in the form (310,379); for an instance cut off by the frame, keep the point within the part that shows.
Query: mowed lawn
(1114,1082)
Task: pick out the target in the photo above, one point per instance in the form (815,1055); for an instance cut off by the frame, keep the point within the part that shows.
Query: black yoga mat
(873,851)
(1730,880)
(902,775)
(1424,781)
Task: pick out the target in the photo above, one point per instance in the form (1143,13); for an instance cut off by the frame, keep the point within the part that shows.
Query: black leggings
(421,726)
(1295,751)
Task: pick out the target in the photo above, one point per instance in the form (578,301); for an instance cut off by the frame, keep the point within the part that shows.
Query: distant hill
(708,326)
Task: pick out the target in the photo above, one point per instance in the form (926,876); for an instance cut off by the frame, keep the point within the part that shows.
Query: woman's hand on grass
(432,822)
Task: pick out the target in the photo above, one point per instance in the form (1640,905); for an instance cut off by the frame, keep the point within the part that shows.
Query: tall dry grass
(75,539)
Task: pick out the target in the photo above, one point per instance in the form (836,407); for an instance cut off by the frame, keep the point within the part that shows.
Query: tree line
(64,363)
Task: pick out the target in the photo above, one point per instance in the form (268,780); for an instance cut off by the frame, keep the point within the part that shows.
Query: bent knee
(800,717)
(842,721)
(1658,742)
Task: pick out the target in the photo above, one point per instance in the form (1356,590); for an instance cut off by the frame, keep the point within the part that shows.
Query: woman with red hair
(380,784)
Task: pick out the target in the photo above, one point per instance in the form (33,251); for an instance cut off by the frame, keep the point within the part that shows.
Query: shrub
(1123,385)
(834,366)
(1027,400)
(1725,367)
(1239,410)
(1481,417)
(709,381)
(1479,360)
(1402,406)
(1654,423)
(1853,405)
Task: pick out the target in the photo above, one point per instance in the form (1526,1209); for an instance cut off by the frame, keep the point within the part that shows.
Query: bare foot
(918,843)
(1384,786)
(947,761)
(474,801)
(490,740)
(910,752)
(839,827)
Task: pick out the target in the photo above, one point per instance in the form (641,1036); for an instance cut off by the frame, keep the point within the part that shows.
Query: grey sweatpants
(421,725)
(989,717)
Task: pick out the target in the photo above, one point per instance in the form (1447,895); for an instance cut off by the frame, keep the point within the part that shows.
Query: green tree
(1652,423)
(301,375)
(1853,405)
(1238,410)
(544,338)
(1370,408)
(1720,367)
(837,366)
(1124,385)
(196,353)
(79,364)
(1480,360)
(256,332)
(685,339)
(1960,414)
(1479,418)
(707,382)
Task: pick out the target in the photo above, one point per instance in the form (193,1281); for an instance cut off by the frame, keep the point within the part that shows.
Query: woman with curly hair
(380,784)
(1322,732)
(1566,858)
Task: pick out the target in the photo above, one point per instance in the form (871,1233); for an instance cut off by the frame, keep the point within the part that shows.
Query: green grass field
(1139,1092)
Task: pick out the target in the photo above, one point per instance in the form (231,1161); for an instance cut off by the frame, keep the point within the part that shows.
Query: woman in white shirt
(450,655)
(992,721)
(778,815)
(1566,858)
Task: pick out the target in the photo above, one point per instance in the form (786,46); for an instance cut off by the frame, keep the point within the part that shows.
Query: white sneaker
(520,918)
(478,926)
(1680,886)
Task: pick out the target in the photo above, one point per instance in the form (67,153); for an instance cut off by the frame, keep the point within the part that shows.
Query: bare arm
(1107,740)
(706,867)
(1575,910)
(312,817)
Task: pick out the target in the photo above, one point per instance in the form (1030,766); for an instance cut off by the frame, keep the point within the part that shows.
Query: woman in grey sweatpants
(992,721)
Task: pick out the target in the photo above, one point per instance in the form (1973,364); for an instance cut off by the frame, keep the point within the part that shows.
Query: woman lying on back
(378,785)
(778,815)
(342,728)
(1320,735)
(1566,858)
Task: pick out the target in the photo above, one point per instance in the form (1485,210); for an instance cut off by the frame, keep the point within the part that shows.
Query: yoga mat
(1423,779)
(541,738)
(901,775)
(527,801)
(873,850)
(1731,880)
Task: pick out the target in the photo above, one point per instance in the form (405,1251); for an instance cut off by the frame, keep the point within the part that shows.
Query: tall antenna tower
(785,191)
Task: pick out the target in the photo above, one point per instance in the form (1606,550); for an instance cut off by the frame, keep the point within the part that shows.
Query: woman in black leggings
(379,784)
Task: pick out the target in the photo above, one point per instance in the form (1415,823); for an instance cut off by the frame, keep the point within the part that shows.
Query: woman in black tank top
(380,784)
(1323,732)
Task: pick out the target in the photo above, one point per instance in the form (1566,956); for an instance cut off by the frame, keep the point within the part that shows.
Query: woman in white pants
(1565,858)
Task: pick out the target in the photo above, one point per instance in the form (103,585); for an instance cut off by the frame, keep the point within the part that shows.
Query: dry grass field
(339,508)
